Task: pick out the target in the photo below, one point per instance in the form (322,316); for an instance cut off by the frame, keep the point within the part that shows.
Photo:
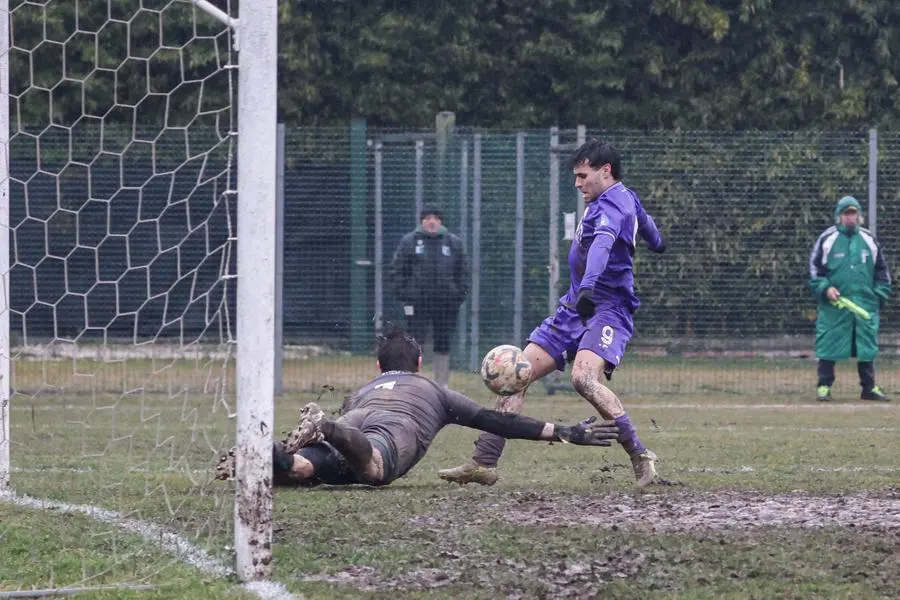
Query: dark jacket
(430,268)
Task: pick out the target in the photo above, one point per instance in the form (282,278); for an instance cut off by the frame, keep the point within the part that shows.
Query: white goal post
(257,171)
(88,382)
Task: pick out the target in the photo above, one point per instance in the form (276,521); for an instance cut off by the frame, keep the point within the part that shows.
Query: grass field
(781,497)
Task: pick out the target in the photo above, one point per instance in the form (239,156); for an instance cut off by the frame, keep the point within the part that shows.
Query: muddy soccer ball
(505,370)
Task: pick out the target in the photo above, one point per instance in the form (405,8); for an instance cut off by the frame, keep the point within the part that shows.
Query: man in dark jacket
(847,263)
(430,275)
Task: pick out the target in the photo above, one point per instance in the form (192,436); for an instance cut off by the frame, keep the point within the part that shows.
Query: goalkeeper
(388,425)
(851,281)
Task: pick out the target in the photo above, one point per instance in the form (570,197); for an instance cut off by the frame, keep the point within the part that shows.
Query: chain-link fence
(741,212)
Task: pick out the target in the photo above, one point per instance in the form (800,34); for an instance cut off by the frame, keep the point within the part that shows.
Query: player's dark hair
(397,350)
(598,153)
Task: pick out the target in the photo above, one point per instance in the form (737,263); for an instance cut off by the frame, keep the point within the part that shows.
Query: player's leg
(870,391)
(417,318)
(345,437)
(482,468)
(443,325)
(825,374)
(600,351)
(866,343)
(287,469)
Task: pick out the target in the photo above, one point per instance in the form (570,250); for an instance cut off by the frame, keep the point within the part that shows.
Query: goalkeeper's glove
(585,305)
(588,433)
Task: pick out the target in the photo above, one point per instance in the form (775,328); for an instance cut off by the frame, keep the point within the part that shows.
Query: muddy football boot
(225,468)
(823,393)
(875,394)
(307,431)
(644,465)
(470,473)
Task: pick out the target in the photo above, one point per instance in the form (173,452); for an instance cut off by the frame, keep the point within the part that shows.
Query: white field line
(818,407)
(129,406)
(745,428)
(719,470)
(748,469)
(171,542)
(93,470)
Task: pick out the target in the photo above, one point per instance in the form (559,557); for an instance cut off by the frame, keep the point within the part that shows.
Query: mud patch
(689,512)
(576,545)
(511,579)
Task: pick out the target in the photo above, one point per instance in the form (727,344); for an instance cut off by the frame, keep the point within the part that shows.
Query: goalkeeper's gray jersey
(412,410)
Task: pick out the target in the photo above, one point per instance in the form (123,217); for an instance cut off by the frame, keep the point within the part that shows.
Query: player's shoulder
(867,232)
(454,239)
(420,381)
(832,230)
(620,197)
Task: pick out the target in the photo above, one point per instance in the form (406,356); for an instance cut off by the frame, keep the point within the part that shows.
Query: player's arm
(468,413)
(401,267)
(609,224)
(462,274)
(519,427)
(882,287)
(647,228)
(818,272)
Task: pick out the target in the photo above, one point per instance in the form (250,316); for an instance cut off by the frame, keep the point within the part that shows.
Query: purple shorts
(606,334)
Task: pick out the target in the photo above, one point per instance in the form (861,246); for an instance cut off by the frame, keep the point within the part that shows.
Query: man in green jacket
(847,264)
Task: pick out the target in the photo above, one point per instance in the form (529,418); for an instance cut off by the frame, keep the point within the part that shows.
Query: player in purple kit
(593,322)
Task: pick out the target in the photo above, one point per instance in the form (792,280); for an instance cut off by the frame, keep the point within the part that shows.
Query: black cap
(431,210)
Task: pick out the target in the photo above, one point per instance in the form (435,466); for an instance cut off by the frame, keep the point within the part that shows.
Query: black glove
(662,245)
(585,305)
(588,433)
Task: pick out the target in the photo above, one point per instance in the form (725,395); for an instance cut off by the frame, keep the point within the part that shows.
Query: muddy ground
(861,531)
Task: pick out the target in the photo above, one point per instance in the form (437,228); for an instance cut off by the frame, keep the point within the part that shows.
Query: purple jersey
(601,258)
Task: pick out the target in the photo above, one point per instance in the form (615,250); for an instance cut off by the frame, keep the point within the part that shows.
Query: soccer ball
(506,370)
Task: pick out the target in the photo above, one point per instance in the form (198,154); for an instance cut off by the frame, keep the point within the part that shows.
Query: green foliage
(654,64)
(659,64)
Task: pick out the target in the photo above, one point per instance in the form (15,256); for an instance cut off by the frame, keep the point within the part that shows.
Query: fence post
(464,236)
(519,262)
(553,267)
(360,321)
(379,240)
(872,221)
(580,137)
(279,261)
(475,358)
(420,180)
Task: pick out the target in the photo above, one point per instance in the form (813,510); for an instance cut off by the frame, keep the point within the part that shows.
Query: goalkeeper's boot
(823,393)
(307,431)
(225,468)
(644,465)
(471,472)
(875,394)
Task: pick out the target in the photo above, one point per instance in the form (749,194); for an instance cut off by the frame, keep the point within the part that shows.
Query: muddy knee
(586,381)
(586,377)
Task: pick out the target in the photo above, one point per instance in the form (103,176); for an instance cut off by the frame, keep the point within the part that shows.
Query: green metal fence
(741,212)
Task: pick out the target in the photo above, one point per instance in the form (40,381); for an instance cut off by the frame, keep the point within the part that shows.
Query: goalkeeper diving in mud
(385,429)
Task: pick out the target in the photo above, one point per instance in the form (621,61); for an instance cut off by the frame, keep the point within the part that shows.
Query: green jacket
(852,261)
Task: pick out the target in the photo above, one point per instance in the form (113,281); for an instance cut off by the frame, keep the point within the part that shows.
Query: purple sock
(628,436)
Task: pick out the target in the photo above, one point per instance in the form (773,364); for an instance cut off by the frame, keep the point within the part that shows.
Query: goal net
(121,228)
